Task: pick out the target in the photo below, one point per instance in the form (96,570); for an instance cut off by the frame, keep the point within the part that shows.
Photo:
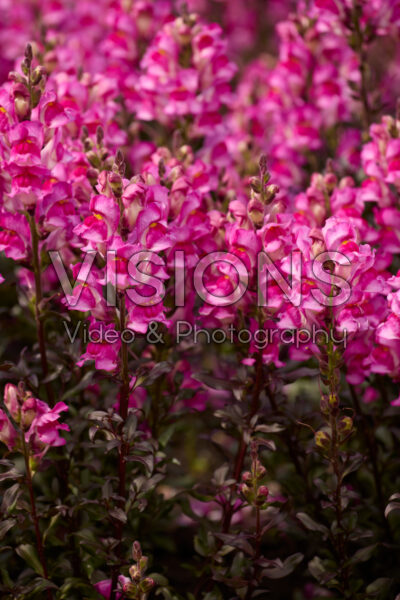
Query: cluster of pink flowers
(39,423)
(155,73)
(157,170)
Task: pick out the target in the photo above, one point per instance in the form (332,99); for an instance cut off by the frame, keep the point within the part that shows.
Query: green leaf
(49,529)
(319,571)
(5,526)
(84,383)
(10,498)
(393,505)
(362,555)
(285,568)
(158,579)
(310,524)
(28,553)
(118,514)
(379,586)
(273,428)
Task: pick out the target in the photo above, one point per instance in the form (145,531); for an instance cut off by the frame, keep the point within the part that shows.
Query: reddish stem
(39,543)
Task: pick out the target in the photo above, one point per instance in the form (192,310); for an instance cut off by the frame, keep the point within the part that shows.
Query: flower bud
(134,573)
(11,400)
(330,181)
(99,136)
(263,490)
(92,174)
(28,411)
(143,563)
(146,585)
(93,159)
(270,192)
(345,424)
(144,22)
(28,52)
(246,476)
(263,164)
(136,551)
(333,401)
(115,182)
(244,490)
(8,434)
(324,405)
(37,75)
(322,439)
(262,495)
(256,211)
(50,61)
(22,106)
(255,184)
(17,77)
(129,589)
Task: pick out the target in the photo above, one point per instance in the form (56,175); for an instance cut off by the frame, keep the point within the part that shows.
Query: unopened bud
(330,181)
(161,168)
(130,589)
(322,439)
(263,164)
(324,405)
(262,494)
(17,77)
(256,211)
(263,490)
(29,411)
(37,75)
(136,551)
(260,470)
(270,192)
(244,489)
(22,106)
(93,159)
(92,175)
(345,424)
(255,184)
(28,52)
(246,476)
(146,585)
(11,400)
(99,135)
(143,563)
(256,217)
(115,183)
(134,573)
(333,401)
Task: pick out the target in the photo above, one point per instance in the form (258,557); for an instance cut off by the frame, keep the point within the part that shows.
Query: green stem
(367,118)
(258,537)
(123,450)
(372,446)
(39,543)
(38,300)
(124,394)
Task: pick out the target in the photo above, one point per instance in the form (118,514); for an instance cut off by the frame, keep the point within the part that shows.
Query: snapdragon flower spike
(196,195)
(186,72)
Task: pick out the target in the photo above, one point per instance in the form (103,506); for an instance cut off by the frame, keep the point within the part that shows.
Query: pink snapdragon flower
(45,426)
(104,587)
(38,421)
